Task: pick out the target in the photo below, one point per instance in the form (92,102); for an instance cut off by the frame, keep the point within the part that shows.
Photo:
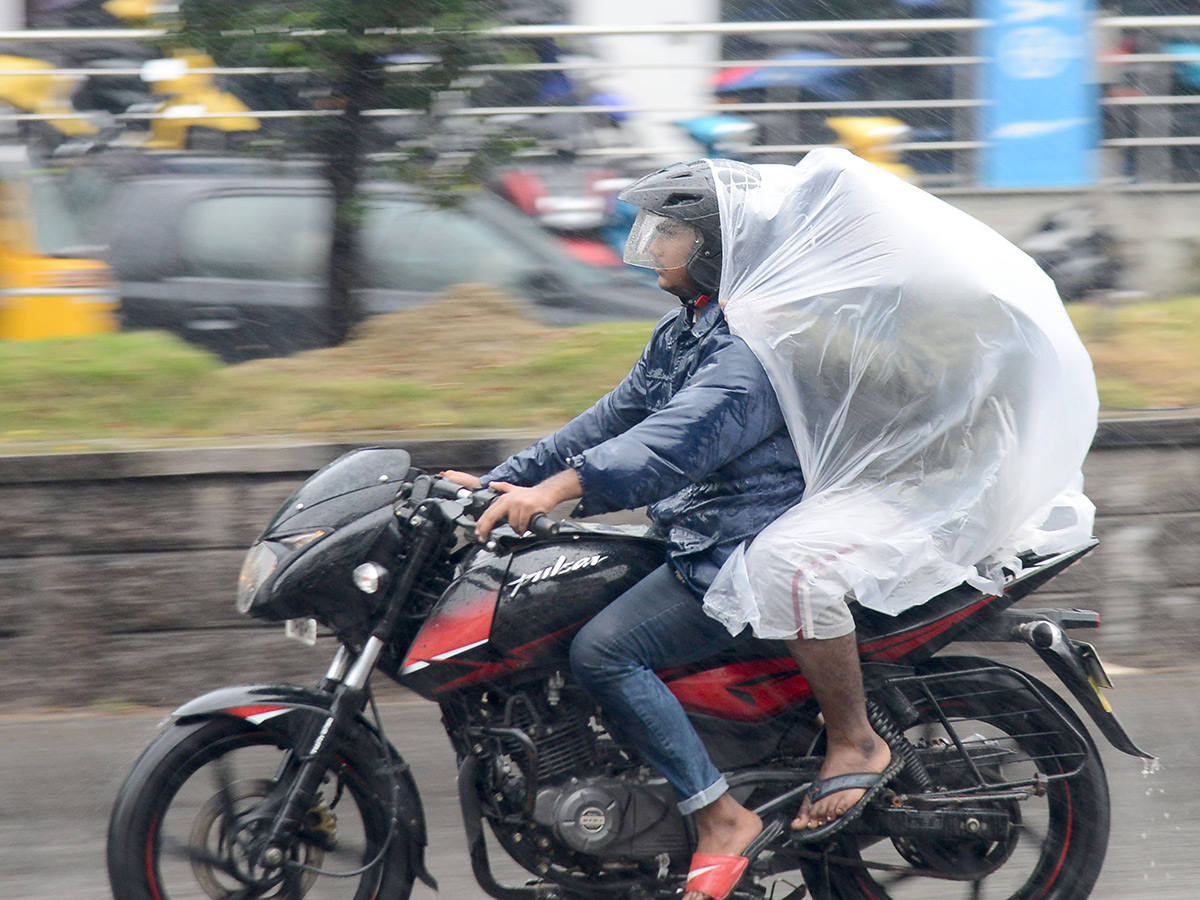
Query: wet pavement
(61,771)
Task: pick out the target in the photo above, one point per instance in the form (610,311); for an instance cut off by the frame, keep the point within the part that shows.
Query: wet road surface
(60,773)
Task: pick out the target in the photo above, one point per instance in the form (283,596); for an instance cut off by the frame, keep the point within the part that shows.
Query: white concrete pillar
(676,83)
(12,15)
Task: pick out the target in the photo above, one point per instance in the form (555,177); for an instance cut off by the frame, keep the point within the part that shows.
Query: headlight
(261,561)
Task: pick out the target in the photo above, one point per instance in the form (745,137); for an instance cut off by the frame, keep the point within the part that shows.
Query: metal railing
(1149,127)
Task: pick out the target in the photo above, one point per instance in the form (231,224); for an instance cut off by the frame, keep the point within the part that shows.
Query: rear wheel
(1014,731)
(188,822)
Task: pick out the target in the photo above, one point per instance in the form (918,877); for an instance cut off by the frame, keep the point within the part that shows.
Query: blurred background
(261,223)
(149,146)
(238,238)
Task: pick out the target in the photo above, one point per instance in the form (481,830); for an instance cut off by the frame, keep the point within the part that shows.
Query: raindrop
(1151,766)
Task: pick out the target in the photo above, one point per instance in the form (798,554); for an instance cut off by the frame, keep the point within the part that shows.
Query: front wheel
(1014,731)
(188,817)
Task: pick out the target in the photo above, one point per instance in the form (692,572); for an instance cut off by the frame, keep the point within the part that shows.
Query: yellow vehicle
(33,86)
(47,287)
(874,138)
(193,111)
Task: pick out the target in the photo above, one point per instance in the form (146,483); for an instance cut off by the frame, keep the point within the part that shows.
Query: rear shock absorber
(886,728)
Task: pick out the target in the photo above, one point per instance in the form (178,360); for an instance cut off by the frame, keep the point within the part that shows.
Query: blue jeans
(657,623)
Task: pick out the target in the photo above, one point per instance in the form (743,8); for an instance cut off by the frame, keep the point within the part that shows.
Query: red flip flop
(715,874)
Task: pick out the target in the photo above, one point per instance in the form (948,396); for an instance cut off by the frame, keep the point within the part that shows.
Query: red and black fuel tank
(511,615)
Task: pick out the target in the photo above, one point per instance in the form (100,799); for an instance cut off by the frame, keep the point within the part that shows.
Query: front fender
(292,710)
(259,703)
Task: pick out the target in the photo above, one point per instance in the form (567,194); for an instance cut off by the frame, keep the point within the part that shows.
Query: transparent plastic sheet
(938,396)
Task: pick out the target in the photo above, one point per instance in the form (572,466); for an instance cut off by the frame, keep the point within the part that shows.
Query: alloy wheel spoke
(224,778)
(202,855)
(292,886)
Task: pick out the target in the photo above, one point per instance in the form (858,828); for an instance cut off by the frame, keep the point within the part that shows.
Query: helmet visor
(660,242)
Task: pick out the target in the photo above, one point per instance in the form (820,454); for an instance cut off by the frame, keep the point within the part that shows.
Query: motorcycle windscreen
(345,489)
(939,399)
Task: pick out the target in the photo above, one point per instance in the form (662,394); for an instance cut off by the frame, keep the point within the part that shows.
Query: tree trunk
(358,86)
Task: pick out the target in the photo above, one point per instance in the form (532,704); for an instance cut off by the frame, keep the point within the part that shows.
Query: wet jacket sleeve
(725,408)
(616,412)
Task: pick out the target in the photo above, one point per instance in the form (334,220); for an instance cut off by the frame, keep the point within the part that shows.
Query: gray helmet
(686,191)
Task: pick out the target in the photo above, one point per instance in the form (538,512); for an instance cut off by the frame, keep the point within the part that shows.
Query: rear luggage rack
(1020,720)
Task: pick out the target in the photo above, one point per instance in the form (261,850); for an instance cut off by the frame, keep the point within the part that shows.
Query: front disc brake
(224,840)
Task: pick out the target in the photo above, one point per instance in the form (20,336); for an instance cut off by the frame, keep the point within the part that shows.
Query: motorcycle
(1079,255)
(278,790)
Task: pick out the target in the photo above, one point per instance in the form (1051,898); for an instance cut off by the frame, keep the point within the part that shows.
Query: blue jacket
(694,433)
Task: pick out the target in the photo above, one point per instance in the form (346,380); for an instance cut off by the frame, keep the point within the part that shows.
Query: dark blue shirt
(694,433)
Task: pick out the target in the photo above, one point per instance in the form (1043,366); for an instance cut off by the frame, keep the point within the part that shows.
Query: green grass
(150,386)
(1146,354)
(428,376)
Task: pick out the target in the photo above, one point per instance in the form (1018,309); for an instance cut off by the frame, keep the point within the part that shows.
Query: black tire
(175,827)
(1058,848)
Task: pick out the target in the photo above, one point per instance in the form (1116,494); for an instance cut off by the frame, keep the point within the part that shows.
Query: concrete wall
(1157,227)
(117,570)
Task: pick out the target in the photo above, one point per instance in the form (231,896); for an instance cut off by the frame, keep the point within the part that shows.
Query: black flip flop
(869,782)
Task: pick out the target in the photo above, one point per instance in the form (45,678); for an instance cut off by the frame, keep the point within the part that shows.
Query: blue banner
(1043,119)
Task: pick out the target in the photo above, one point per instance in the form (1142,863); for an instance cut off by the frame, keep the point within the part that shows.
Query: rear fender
(1078,667)
(295,711)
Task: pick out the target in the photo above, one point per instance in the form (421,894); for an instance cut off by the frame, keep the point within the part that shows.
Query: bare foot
(843,761)
(725,827)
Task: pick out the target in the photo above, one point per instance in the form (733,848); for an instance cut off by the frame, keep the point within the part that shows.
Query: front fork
(349,690)
(347,681)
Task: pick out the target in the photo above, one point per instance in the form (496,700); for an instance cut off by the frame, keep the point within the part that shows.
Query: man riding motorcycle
(935,397)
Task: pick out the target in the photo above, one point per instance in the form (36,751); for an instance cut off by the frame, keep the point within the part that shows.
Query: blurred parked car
(237,263)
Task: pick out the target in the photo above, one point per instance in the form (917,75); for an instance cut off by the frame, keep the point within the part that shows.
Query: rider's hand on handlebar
(520,504)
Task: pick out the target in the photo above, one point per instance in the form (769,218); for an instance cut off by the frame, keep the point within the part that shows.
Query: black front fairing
(348,506)
(511,615)
(349,487)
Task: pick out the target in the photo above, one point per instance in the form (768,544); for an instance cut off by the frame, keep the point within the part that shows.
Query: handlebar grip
(543,526)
